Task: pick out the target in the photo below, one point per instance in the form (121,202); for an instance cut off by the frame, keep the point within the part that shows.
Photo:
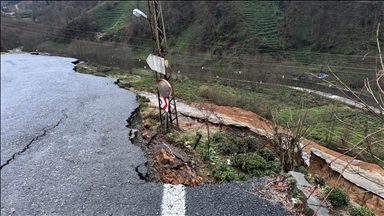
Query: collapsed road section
(166,163)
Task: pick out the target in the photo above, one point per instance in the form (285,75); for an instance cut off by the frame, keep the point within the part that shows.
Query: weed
(143,101)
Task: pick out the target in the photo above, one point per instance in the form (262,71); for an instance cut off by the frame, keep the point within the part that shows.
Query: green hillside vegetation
(262,18)
(112,15)
(183,41)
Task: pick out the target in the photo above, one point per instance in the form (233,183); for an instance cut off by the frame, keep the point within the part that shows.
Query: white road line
(173,200)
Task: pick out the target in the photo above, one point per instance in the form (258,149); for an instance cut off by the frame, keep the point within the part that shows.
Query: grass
(113,15)
(339,128)
(183,41)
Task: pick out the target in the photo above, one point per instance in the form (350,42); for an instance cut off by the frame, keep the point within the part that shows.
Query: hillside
(285,38)
(337,27)
(341,27)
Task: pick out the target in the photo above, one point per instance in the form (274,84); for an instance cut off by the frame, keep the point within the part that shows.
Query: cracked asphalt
(65,149)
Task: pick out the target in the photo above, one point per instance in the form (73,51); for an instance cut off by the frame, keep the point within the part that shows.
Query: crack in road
(45,130)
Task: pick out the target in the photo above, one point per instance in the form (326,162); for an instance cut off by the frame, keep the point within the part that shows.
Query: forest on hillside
(285,38)
(341,27)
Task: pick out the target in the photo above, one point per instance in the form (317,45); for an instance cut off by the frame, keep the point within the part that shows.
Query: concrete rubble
(313,202)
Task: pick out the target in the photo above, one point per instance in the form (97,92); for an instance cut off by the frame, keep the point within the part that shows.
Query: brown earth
(172,170)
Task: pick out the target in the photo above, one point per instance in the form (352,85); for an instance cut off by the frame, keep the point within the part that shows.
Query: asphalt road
(65,150)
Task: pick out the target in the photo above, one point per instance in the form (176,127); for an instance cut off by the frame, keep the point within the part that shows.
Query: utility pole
(159,48)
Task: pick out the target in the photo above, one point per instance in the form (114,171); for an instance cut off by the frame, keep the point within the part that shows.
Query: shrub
(251,163)
(251,143)
(209,93)
(231,144)
(302,169)
(274,167)
(226,173)
(267,154)
(338,197)
(227,144)
(360,211)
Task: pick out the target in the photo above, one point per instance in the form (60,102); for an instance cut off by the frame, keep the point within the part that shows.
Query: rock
(313,202)
(208,174)
(145,135)
(133,134)
(142,171)
(123,84)
(131,89)
(179,153)
(171,161)
(147,123)
(164,157)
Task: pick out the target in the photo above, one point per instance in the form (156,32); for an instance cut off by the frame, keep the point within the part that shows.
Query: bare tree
(207,111)
(288,144)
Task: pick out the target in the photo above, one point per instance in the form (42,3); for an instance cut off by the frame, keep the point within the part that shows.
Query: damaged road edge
(145,171)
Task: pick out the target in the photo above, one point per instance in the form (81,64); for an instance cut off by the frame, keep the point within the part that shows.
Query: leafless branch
(378,46)
(343,170)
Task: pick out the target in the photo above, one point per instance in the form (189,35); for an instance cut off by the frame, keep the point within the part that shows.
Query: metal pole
(159,45)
